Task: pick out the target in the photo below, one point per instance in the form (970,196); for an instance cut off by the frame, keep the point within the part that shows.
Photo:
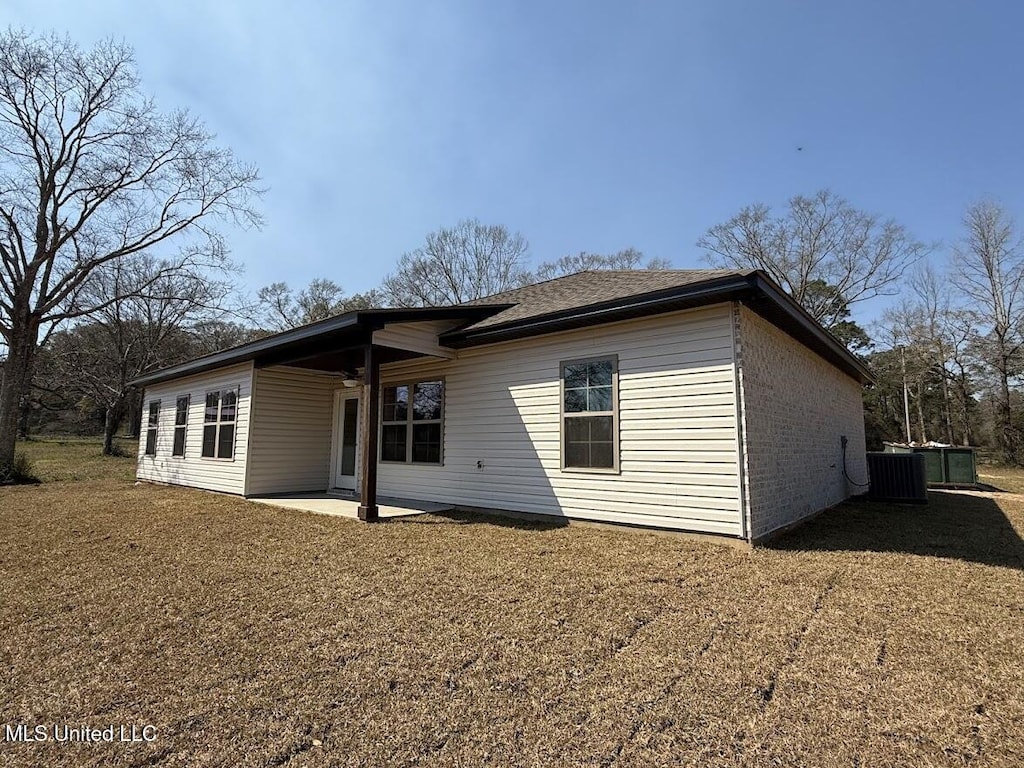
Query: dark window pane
(349,436)
(427,400)
(348,460)
(396,401)
(577,430)
(212,400)
(576,375)
(599,399)
(601,428)
(228,398)
(426,443)
(589,442)
(599,374)
(181,411)
(401,403)
(154,413)
(179,442)
(426,453)
(151,442)
(226,442)
(575,400)
(209,440)
(392,443)
(588,386)
(602,456)
(577,455)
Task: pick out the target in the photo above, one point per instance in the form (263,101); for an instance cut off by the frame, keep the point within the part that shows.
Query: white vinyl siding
(290,440)
(192,469)
(678,453)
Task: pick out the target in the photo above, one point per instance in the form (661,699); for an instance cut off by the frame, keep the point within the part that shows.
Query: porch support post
(371,407)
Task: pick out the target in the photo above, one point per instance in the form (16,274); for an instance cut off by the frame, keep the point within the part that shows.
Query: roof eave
(789,315)
(656,302)
(799,316)
(361,322)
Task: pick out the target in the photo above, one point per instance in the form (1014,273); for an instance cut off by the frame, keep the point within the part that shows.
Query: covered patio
(347,353)
(307,413)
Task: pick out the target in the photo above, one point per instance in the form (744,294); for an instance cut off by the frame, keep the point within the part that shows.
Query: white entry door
(346,441)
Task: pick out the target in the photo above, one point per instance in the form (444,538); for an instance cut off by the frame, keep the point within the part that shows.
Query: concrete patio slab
(334,504)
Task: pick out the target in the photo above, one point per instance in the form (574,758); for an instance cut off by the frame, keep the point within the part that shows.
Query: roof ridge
(592,271)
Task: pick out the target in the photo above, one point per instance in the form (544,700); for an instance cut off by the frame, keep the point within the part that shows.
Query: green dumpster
(934,472)
(960,467)
(943,466)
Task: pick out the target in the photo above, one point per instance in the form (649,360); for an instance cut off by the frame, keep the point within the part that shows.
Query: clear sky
(584,125)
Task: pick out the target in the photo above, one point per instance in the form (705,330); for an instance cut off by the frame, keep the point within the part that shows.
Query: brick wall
(794,408)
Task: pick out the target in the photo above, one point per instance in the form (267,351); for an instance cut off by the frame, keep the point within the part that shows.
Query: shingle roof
(574,301)
(591,287)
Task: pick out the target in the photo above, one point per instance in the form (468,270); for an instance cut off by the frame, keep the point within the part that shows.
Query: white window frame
(182,427)
(615,469)
(220,421)
(152,427)
(409,421)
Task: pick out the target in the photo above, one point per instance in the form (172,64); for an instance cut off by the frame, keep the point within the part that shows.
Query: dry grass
(251,636)
(1008,479)
(76,458)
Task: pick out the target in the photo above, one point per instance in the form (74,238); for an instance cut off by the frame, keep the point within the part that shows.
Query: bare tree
(630,258)
(928,342)
(947,332)
(148,326)
(960,331)
(282,308)
(457,264)
(819,241)
(989,265)
(899,333)
(90,173)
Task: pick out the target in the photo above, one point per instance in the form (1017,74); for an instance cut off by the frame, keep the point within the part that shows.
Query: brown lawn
(250,636)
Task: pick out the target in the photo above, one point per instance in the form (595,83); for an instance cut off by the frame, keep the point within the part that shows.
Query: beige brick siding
(794,407)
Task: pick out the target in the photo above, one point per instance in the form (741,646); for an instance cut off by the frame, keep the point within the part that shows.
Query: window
(411,419)
(151,425)
(180,425)
(219,424)
(590,414)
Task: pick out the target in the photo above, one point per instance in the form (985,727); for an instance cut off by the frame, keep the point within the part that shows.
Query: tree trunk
(966,412)
(135,413)
(947,409)
(17,369)
(1008,438)
(920,411)
(963,405)
(24,419)
(111,421)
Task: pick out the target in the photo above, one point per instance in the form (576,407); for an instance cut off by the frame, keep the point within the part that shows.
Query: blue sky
(584,125)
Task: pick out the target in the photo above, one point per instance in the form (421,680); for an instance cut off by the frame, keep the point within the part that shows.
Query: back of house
(702,400)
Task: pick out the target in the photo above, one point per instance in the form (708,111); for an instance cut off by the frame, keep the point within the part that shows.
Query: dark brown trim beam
(371,407)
